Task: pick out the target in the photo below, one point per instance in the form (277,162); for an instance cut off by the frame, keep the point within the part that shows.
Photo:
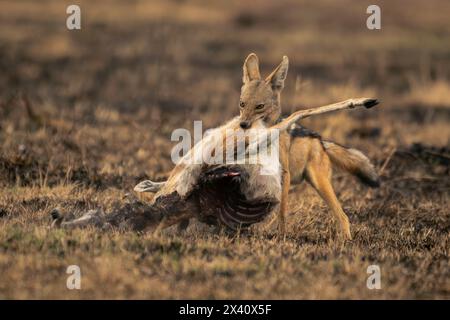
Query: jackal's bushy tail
(353,161)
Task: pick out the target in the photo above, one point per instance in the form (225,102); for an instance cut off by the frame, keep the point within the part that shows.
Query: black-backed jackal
(303,155)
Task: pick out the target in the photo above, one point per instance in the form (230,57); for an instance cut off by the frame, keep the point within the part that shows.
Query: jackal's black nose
(244,125)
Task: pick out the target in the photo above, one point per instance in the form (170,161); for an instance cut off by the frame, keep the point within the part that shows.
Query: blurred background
(86,114)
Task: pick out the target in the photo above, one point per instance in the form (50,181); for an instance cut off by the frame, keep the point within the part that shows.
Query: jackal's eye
(260,106)
(241,104)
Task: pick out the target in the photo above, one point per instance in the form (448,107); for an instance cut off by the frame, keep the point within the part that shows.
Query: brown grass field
(85,115)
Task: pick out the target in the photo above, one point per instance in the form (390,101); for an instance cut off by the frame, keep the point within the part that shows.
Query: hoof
(57,218)
(369,103)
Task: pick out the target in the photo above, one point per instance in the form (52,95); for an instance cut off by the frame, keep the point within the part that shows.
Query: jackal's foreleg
(286,182)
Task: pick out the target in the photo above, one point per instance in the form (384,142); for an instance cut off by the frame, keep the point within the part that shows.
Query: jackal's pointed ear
(251,68)
(277,77)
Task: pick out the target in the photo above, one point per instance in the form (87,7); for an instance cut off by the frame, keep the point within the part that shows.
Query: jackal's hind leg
(318,173)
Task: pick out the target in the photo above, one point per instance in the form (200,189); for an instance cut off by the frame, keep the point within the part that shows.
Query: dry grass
(85,115)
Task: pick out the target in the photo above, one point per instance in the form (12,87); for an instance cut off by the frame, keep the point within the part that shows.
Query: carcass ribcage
(221,199)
